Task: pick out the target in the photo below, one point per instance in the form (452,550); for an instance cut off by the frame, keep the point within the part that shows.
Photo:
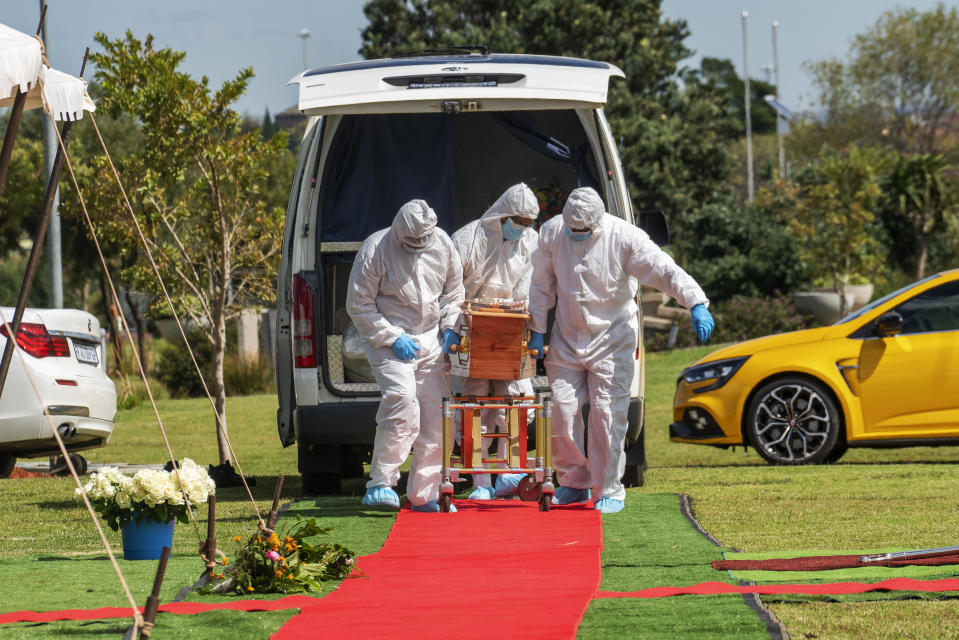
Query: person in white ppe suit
(587,264)
(404,293)
(496,252)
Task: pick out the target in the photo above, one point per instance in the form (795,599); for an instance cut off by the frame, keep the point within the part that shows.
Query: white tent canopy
(22,70)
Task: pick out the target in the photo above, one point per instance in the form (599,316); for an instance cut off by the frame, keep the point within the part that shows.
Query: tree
(196,187)
(673,141)
(898,85)
(918,192)
(721,75)
(830,211)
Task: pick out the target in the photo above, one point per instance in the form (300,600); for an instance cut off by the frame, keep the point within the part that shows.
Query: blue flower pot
(145,541)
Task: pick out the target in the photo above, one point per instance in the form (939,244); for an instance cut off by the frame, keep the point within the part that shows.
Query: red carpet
(834,588)
(824,563)
(289,602)
(515,573)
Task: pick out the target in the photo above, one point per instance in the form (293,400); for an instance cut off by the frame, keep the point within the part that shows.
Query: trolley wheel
(545,500)
(528,489)
(445,501)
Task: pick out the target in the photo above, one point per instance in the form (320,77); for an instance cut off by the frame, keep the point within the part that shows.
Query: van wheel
(7,462)
(321,484)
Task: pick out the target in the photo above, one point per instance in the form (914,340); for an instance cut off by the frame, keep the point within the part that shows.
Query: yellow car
(886,375)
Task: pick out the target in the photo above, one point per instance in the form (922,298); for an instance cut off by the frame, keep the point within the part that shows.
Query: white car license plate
(86,353)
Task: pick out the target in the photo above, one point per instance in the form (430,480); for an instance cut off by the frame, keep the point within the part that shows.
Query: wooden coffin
(493,340)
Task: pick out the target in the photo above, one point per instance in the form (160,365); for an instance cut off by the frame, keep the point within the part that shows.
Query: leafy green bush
(246,378)
(740,318)
(176,371)
(740,250)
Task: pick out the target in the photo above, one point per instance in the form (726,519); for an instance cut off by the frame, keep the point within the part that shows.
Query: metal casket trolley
(494,335)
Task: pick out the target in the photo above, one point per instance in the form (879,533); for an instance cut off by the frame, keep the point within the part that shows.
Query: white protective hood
(22,70)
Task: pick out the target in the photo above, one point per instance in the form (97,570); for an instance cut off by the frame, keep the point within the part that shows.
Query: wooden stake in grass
(208,549)
(274,513)
(153,601)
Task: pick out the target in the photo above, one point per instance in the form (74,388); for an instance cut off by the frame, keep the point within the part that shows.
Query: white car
(63,356)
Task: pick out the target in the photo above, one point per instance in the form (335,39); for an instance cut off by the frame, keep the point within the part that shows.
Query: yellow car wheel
(793,420)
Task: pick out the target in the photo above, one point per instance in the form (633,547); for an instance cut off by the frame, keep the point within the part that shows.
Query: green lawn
(870,499)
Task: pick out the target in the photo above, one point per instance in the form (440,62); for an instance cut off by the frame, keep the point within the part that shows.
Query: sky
(223,36)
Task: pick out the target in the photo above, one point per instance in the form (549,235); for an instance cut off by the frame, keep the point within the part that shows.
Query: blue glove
(450,338)
(405,347)
(702,322)
(536,341)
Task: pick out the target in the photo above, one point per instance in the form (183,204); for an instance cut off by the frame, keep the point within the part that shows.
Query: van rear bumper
(336,423)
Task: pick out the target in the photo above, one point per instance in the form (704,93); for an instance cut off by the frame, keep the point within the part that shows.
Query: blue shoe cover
(381,496)
(507,484)
(430,507)
(569,495)
(482,493)
(609,505)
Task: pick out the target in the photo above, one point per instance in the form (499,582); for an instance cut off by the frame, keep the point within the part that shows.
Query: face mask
(511,230)
(416,245)
(577,236)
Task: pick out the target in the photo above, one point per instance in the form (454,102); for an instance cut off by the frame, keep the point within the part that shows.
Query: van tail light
(34,339)
(304,344)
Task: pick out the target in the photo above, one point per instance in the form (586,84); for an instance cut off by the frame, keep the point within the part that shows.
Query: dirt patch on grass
(23,473)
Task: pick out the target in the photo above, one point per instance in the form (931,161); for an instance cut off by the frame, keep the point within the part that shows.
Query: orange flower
(249,587)
(224,561)
(279,573)
(289,576)
(237,539)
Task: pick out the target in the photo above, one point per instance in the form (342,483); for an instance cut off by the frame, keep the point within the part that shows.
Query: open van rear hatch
(435,84)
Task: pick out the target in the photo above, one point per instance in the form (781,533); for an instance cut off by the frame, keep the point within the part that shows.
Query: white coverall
(494,268)
(593,284)
(393,290)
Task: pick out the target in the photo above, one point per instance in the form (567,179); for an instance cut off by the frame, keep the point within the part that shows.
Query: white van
(454,127)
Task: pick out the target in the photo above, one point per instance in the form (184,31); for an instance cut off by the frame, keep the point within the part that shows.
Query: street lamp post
(304,33)
(780,125)
(749,124)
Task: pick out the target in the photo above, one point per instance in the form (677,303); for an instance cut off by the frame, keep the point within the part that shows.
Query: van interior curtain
(379,163)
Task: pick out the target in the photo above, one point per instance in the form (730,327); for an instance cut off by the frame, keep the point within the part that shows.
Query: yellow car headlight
(720,371)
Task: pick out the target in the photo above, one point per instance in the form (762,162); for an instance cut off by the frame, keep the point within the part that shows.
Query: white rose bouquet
(154,495)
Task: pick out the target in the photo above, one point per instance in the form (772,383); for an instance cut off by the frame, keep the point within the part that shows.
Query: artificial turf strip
(850,574)
(649,544)
(201,626)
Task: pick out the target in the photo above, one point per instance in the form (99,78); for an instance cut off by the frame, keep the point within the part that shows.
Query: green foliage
(720,74)
(200,188)
(175,369)
(830,211)
(897,86)
(741,250)
(919,204)
(673,140)
(739,318)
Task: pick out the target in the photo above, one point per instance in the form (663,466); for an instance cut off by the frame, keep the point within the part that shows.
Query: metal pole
(780,121)
(34,255)
(749,124)
(304,34)
(51,150)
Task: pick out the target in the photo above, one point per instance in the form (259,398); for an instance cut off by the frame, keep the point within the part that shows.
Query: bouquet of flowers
(151,494)
(285,562)
(551,199)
